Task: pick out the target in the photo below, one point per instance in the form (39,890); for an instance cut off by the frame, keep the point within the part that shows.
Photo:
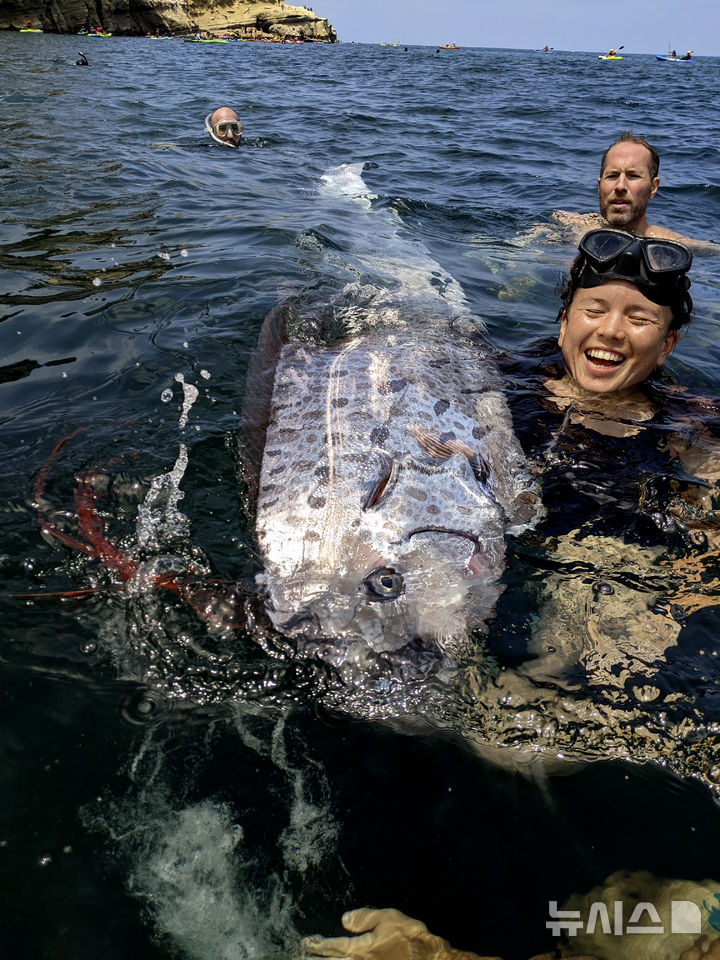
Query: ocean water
(169,790)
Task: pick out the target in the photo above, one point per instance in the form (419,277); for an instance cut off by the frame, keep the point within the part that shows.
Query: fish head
(419,559)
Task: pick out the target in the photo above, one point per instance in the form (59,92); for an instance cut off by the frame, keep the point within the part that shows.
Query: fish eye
(384,584)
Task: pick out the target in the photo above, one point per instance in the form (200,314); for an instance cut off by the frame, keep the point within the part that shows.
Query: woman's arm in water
(384,935)
(391,935)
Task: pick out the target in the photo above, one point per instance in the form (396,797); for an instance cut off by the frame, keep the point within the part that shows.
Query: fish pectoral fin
(438,447)
(442,448)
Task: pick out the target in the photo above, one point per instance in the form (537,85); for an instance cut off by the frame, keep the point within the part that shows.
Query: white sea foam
(387,250)
(158,518)
(209,892)
(193,879)
(190,395)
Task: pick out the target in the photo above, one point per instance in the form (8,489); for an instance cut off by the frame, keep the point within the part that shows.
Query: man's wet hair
(681,305)
(627,136)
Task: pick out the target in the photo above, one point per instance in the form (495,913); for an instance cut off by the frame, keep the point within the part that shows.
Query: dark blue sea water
(168,792)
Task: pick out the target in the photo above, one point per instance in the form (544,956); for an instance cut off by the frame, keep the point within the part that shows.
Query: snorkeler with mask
(224,127)
(624,301)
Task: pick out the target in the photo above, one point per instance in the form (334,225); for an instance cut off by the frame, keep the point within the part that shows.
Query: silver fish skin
(390,477)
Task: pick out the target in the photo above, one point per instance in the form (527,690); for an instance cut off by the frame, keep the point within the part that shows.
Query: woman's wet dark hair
(681,304)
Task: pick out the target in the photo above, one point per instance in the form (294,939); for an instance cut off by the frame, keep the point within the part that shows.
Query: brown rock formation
(262,19)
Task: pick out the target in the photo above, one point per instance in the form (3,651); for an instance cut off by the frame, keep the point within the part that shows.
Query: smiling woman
(624,300)
(614,338)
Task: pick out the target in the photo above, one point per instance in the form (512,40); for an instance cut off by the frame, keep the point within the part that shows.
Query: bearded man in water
(627,183)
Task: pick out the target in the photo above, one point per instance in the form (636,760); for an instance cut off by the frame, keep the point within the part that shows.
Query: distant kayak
(608,57)
(194,40)
(30,30)
(672,59)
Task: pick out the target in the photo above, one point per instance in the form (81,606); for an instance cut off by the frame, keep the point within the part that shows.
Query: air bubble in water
(96,281)
(166,396)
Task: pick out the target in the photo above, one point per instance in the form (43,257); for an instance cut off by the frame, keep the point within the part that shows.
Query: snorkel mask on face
(658,268)
(220,129)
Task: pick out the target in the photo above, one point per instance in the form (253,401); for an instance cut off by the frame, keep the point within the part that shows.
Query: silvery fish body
(390,475)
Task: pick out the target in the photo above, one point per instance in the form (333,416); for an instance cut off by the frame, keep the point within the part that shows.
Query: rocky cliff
(261,19)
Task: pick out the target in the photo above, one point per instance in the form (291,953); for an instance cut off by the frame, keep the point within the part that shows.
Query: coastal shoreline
(271,21)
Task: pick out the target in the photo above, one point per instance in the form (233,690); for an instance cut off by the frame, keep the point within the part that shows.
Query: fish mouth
(478,565)
(447,530)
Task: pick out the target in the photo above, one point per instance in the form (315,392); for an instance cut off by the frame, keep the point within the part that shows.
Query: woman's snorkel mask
(658,268)
(220,129)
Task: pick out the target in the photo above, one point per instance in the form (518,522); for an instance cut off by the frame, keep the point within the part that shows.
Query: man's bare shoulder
(579,221)
(662,233)
(699,246)
(568,227)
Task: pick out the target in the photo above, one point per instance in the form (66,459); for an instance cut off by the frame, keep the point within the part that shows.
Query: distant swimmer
(83,61)
(223,126)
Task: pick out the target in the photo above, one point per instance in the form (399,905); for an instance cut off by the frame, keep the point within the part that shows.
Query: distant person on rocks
(224,127)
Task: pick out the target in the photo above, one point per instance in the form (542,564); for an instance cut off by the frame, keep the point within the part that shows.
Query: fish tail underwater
(312,596)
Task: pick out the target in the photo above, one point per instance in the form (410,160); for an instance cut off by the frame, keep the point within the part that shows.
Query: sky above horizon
(640,26)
